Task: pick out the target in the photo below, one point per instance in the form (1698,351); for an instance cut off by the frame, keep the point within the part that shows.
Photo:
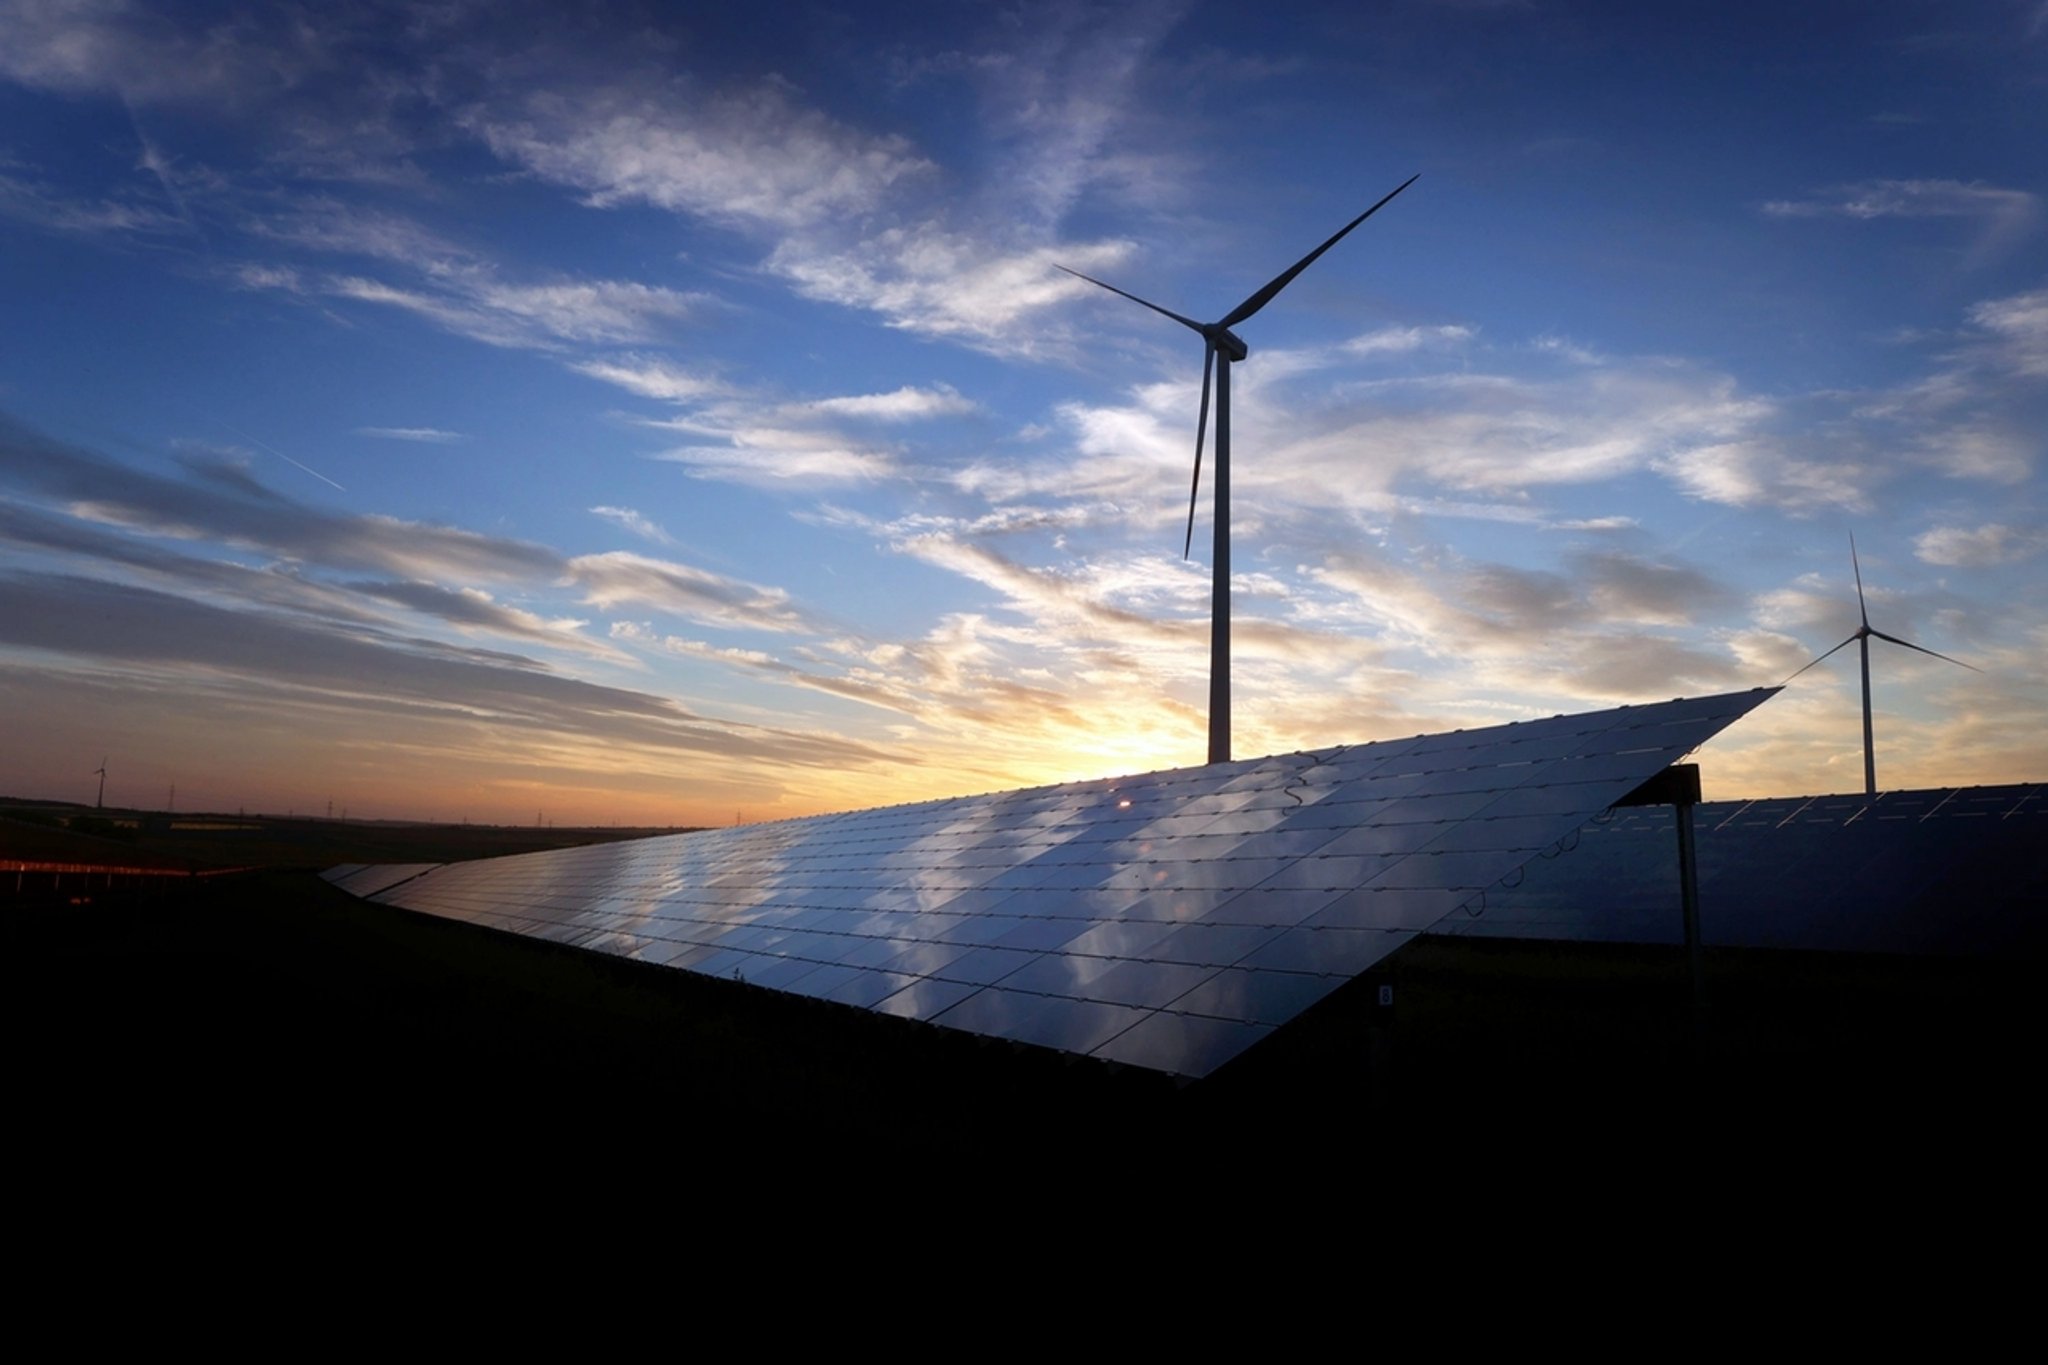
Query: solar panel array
(1955,871)
(1169,920)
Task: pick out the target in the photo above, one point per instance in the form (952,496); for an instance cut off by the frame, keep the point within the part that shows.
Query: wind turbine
(101,802)
(1861,637)
(1221,348)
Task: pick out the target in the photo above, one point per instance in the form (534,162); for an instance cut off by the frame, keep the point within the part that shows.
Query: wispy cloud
(86,548)
(766,457)
(1974,414)
(542,316)
(401,263)
(639,632)
(1909,199)
(293,589)
(1080,606)
(308,632)
(1587,634)
(768,444)
(1397,340)
(474,610)
(839,208)
(633,521)
(1979,546)
(1615,523)
(652,377)
(1761,473)
(963,286)
(751,157)
(907,404)
(1986,450)
(123,49)
(248,515)
(622,578)
(2020,324)
(27,198)
(332,226)
(163,168)
(433,436)
(291,665)
(591,311)
(2006,216)
(1061,97)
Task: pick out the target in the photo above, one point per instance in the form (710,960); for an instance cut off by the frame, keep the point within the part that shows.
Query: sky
(648,414)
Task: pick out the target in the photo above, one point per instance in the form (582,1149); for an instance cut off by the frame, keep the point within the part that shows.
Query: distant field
(55,832)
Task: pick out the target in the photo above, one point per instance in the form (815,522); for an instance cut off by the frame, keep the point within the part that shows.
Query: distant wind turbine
(100,803)
(1862,636)
(1222,347)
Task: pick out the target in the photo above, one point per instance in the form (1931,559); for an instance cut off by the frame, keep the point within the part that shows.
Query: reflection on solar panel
(1169,920)
(367,879)
(1951,871)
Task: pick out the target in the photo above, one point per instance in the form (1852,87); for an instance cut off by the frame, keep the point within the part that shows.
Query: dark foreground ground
(239,1022)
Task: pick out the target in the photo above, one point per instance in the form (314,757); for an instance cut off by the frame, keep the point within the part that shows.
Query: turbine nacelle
(1225,342)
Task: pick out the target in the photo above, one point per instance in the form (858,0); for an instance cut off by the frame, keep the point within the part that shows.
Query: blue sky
(469,411)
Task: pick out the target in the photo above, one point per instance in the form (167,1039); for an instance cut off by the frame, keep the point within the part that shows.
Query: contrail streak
(286,458)
(229,426)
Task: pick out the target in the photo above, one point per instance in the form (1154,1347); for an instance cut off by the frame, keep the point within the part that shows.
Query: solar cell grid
(1166,920)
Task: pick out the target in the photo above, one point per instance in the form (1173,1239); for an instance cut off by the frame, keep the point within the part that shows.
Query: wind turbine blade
(1924,650)
(1167,312)
(1201,430)
(1811,662)
(1859,582)
(1286,277)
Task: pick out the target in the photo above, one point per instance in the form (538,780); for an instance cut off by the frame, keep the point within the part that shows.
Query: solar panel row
(1168,920)
(1957,871)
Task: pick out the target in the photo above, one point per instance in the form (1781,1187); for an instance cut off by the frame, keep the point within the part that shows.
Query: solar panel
(1168,920)
(1954,871)
(367,879)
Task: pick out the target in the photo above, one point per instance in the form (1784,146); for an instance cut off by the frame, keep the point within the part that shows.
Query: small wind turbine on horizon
(1862,636)
(1221,348)
(100,802)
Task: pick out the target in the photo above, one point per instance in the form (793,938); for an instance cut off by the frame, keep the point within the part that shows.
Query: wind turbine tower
(1862,637)
(100,801)
(1221,348)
